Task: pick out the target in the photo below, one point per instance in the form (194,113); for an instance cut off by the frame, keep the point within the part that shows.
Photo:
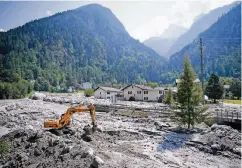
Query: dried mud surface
(121,140)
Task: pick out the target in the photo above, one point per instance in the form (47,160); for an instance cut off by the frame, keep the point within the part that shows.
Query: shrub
(4,148)
(89,92)
(131,98)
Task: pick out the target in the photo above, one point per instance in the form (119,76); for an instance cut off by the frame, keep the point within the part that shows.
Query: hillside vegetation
(221,47)
(86,44)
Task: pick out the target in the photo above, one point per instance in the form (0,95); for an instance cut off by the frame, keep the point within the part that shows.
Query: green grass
(80,91)
(231,101)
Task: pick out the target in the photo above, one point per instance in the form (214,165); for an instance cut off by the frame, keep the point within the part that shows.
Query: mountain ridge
(71,47)
(221,47)
(198,27)
(162,43)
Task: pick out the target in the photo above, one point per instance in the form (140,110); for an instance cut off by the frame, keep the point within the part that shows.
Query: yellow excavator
(65,118)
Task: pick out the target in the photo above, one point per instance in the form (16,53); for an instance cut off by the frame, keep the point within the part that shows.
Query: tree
(152,84)
(236,88)
(89,92)
(189,96)
(214,88)
(169,97)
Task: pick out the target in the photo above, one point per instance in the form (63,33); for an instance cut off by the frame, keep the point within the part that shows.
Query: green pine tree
(214,89)
(189,96)
(169,97)
(236,88)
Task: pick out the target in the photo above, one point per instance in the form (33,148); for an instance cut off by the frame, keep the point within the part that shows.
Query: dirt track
(123,142)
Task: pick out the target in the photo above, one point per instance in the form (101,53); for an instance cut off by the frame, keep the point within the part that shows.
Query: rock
(97,161)
(10,107)
(55,132)
(215,147)
(38,96)
(159,125)
(37,152)
(237,151)
(88,130)
(89,152)
(99,128)
(86,138)
(47,99)
(66,150)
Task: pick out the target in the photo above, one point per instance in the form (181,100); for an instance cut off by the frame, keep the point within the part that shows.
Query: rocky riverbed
(120,141)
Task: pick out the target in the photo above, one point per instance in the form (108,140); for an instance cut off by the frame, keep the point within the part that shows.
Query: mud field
(122,140)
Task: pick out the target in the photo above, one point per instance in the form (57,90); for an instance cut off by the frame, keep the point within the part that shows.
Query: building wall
(108,96)
(153,95)
(100,94)
(134,94)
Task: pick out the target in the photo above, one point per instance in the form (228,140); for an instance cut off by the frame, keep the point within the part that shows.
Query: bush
(131,98)
(208,121)
(4,148)
(89,92)
(15,90)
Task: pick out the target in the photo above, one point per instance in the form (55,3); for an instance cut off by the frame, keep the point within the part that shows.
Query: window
(146,92)
(108,97)
(108,92)
(145,98)
(160,91)
(100,93)
(138,92)
(129,92)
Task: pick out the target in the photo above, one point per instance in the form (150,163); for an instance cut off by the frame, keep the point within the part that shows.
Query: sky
(142,19)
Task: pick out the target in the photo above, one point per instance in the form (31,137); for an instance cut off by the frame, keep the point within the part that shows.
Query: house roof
(143,87)
(161,88)
(108,89)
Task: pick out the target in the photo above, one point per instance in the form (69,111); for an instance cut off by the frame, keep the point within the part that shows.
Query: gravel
(120,141)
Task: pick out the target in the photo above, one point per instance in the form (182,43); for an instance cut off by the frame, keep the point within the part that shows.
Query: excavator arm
(65,118)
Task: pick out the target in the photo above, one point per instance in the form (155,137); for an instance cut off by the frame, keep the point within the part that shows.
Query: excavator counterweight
(65,118)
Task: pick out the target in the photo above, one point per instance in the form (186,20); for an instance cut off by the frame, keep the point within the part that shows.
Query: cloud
(48,13)
(1,30)
(155,27)
(180,13)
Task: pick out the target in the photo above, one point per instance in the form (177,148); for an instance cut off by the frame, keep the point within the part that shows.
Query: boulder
(159,125)
(97,161)
(37,152)
(215,147)
(38,96)
(89,152)
(99,128)
(10,107)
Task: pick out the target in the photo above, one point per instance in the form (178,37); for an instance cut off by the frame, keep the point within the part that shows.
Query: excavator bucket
(51,124)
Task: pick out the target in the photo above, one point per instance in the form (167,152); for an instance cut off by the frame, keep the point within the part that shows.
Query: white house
(86,85)
(106,92)
(140,93)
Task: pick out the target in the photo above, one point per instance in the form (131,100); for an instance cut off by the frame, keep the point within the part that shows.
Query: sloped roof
(143,87)
(109,89)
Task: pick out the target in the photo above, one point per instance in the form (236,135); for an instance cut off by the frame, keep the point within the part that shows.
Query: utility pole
(202,74)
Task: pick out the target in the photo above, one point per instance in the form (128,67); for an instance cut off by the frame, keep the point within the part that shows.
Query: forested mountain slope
(221,47)
(85,44)
(202,23)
